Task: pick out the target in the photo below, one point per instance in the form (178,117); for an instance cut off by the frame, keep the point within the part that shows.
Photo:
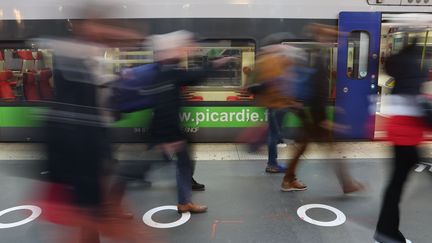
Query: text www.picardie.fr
(243,115)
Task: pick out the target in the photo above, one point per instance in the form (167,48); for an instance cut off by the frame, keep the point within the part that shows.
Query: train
(219,109)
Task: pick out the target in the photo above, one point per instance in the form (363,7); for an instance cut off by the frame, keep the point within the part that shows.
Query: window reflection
(233,74)
(358,55)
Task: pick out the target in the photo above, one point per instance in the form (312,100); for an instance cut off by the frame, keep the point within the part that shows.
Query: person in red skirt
(405,131)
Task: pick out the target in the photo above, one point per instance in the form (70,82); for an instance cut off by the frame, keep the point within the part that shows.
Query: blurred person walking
(165,128)
(297,84)
(77,140)
(313,94)
(405,131)
(272,66)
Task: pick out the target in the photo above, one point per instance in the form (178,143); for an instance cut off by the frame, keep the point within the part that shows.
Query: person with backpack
(311,90)
(165,129)
(271,68)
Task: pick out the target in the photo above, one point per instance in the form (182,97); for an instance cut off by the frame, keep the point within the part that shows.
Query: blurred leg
(388,223)
(290,173)
(89,236)
(340,167)
(118,190)
(197,186)
(184,183)
(184,176)
(279,116)
(302,144)
(272,138)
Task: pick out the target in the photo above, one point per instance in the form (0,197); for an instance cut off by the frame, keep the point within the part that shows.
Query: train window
(25,74)
(358,54)
(232,75)
(125,57)
(223,84)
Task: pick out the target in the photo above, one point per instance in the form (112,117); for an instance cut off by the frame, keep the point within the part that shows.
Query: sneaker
(197,186)
(353,188)
(192,208)
(275,169)
(281,145)
(294,185)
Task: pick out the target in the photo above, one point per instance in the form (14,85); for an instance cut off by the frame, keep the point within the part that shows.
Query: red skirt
(406,130)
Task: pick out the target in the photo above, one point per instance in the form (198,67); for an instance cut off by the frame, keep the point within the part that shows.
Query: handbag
(254,137)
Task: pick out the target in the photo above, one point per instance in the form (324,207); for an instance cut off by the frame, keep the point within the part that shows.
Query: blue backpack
(301,85)
(136,89)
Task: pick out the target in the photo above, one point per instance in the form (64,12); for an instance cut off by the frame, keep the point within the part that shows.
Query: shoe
(192,208)
(275,169)
(353,187)
(197,186)
(281,145)
(294,185)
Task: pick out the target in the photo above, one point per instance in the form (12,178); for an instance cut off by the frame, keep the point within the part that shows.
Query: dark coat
(320,90)
(405,67)
(165,126)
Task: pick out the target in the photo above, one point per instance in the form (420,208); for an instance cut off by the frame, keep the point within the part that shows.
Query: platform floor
(246,205)
(219,151)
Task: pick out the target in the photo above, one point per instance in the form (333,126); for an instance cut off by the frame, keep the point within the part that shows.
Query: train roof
(130,9)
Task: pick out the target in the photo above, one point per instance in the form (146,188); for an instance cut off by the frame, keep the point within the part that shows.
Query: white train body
(286,9)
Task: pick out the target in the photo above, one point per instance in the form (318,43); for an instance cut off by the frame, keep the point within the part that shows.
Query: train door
(398,31)
(357,72)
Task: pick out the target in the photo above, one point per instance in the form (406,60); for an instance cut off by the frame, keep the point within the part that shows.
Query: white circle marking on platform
(36,212)
(147,218)
(340,216)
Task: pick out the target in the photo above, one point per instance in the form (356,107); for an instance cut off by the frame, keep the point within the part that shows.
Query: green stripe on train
(220,117)
(13,116)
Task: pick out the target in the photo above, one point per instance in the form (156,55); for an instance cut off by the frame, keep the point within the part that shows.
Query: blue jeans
(275,119)
(185,168)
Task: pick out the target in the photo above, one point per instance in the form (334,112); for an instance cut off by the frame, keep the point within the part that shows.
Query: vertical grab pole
(424,49)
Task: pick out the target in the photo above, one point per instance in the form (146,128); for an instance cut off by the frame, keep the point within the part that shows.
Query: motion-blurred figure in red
(405,131)
(77,141)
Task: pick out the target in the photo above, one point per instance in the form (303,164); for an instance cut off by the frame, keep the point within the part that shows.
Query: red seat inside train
(6,91)
(31,91)
(45,88)
(195,98)
(25,55)
(232,98)
(36,83)
(1,60)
